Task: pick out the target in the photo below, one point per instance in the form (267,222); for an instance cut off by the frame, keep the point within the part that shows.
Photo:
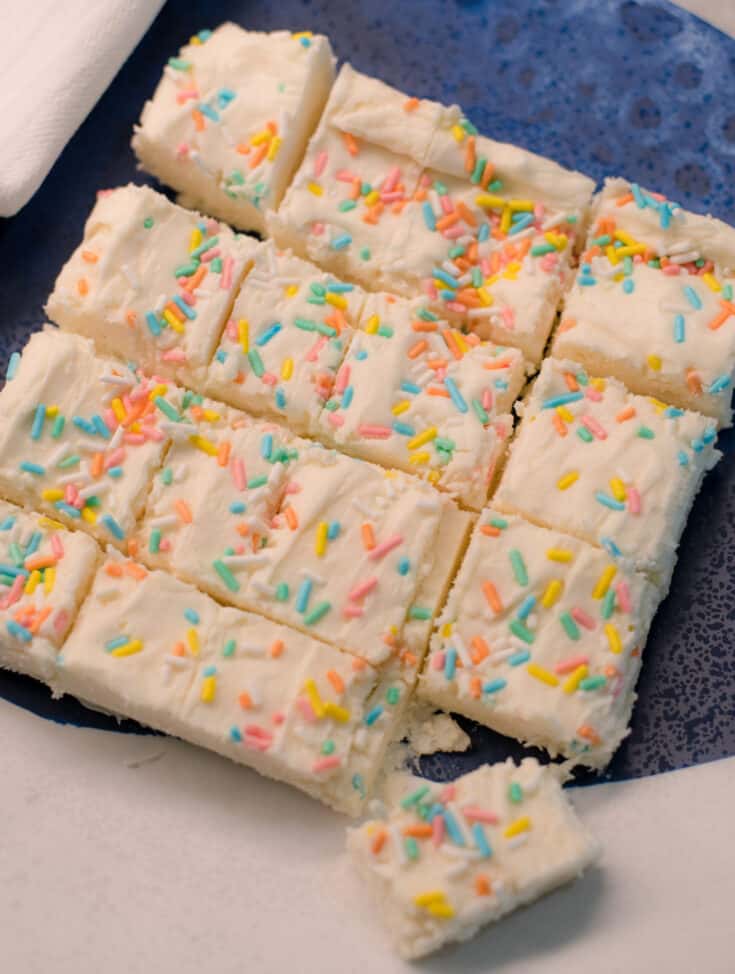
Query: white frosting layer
(447,859)
(285,339)
(541,639)
(392,403)
(613,468)
(229,120)
(45,572)
(151,283)
(261,694)
(82,435)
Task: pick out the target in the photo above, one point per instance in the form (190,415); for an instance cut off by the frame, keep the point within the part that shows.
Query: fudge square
(446,859)
(541,639)
(653,304)
(151,282)
(285,339)
(416,394)
(405,196)
(256,692)
(45,573)
(83,435)
(615,469)
(231,116)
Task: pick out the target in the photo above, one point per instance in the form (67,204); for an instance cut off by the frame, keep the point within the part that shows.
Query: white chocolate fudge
(541,639)
(82,435)
(153,648)
(447,859)
(45,573)
(653,303)
(151,283)
(231,116)
(613,468)
(416,394)
(485,229)
(286,338)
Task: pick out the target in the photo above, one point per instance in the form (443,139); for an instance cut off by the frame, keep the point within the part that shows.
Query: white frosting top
(541,637)
(45,572)
(151,282)
(259,693)
(237,106)
(416,394)
(447,859)
(285,339)
(616,469)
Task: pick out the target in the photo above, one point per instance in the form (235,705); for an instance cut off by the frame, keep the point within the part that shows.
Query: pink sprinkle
(278,718)
(382,549)
(509,318)
(593,426)
(580,616)
(231,329)
(239,549)
(187,297)
(426,179)
(317,229)
(475,814)
(313,354)
(152,434)
(210,254)
(671,269)
(212,226)
(342,380)
(56,546)
(391,180)
(361,590)
(184,96)
(164,544)
(293,488)
(352,611)
(571,664)
(456,306)
(70,494)
(446,204)
(269,379)
(500,430)
(320,163)
(257,737)
(110,420)
(326,763)
(485,266)
(61,621)
(538,212)
(115,458)
(182,151)
(634,501)
(487,400)
(593,394)
(452,233)
(437,827)
(548,262)
(345,176)
(14,592)
(336,420)
(432,291)
(237,468)
(307,711)
(393,197)
(447,794)
(437,661)
(174,355)
(226,280)
(374,432)
(623,595)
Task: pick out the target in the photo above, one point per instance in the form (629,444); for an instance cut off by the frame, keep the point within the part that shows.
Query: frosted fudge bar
(151,282)
(261,694)
(285,339)
(82,435)
(45,573)
(447,859)
(613,468)
(403,195)
(541,639)
(652,303)
(229,120)
(416,394)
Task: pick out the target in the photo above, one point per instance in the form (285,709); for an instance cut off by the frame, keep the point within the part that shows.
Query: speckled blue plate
(610,87)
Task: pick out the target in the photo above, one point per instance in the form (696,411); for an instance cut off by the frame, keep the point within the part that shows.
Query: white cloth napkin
(58,58)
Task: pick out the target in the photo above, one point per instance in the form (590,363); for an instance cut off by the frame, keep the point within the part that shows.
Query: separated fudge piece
(541,639)
(286,337)
(82,436)
(653,304)
(404,196)
(45,573)
(612,468)
(151,283)
(416,394)
(447,859)
(287,705)
(230,118)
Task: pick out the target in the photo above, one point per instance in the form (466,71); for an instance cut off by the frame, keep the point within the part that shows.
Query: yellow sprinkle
(612,255)
(487,199)
(401,407)
(435,902)
(625,238)
(565,414)
(287,369)
(192,638)
(372,198)
(340,714)
(557,240)
(545,676)
(128,649)
(273,148)
(618,489)
(89,515)
(302,33)
(206,446)
(613,638)
(559,554)
(52,494)
(243,334)
(603,582)
(291,290)
(631,250)
(315,188)
(551,593)
(210,416)
(336,300)
(574,679)
(515,828)
(32,581)
(485,297)
(567,479)
(493,279)
(52,411)
(160,390)
(460,340)
(209,688)
(47,522)
(712,283)
(373,324)
(446,630)
(314,699)
(49,579)
(118,409)
(598,384)
(505,219)
(657,404)
(654,362)
(320,545)
(433,476)
(419,458)
(195,239)
(260,137)
(426,436)
(458,132)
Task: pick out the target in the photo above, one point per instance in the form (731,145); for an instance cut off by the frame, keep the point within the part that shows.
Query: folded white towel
(58,58)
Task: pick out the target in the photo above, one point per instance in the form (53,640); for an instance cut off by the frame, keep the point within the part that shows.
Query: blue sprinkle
(235,735)
(562,400)
(640,201)
(612,549)
(373,715)
(280,398)
(192,616)
(266,446)
(269,334)
(39,418)
(116,643)
(303,594)
(209,671)
(679,328)
(342,241)
(238,507)
(456,395)
(450,663)
(67,509)
(333,530)
(184,307)
(153,323)
(410,387)
(454,831)
(478,834)
(101,427)
(208,111)
(522,656)
(526,607)
(358,784)
(709,435)
(673,412)
(628,285)
(361,355)
(494,685)
(347,396)
(113,527)
(682,458)
(221,356)
(20,632)
(404,429)
(692,297)
(13,364)
(339,287)
(719,385)
(445,278)
(404,566)
(521,223)
(607,501)
(8,523)
(447,295)
(484,232)
(34,544)
(115,472)
(34,468)
(429,218)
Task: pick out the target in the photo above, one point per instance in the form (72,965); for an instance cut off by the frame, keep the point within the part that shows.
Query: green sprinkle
(346,205)
(498,522)
(58,428)
(415,797)
(226,575)
(317,613)
(518,566)
(328,746)
(148,222)
(418,612)
(167,409)
(412,848)
(229,648)
(515,793)
(167,476)
(71,461)
(365,253)
(282,592)
(393,696)
(584,434)
(592,683)
(645,433)
(608,604)
(257,482)
(570,626)
(154,542)
(480,412)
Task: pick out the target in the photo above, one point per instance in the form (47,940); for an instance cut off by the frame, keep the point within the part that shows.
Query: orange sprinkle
(589,734)
(490,531)
(727,309)
(258,155)
(482,885)
(223,453)
(277,647)
(98,464)
(410,105)
(452,343)
(437,391)
(571,381)
(625,198)
(40,619)
(133,547)
(417,349)
(448,220)
(694,382)
(245,700)
(409,659)
(243,148)
(336,680)
(358,664)
(89,257)
(350,143)
(83,286)
(469,218)
(113,569)
(497,363)
(40,561)
(475,687)
(179,649)
(183,510)
(559,424)
(196,278)
(424,326)
(243,529)
(469,154)
(627,413)
(493,599)
(198,120)
(131,318)
(291,516)
(135,571)
(419,831)
(379,841)
(368,536)
(567,324)
(487,175)
(480,649)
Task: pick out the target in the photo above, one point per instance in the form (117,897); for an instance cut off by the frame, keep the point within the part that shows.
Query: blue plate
(604,86)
